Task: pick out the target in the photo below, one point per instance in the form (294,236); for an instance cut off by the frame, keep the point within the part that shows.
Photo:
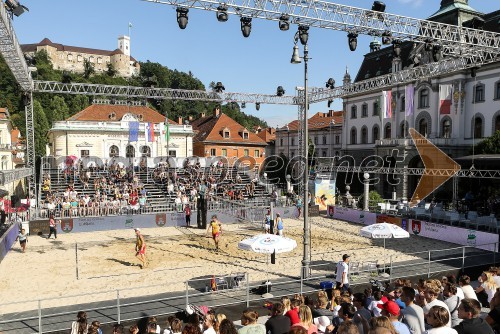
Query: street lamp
(265,181)
(296,59)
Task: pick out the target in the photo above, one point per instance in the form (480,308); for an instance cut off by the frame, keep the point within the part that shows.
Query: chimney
(330,113)
(179,120)
(190,119)
(216,111)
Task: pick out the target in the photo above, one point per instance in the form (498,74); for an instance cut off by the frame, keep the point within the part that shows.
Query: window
(353,136)
(79,58)
(256,153)
(376,134)
(387,131)
(315,140)
(403,104)
(84,153)
(375,108)
(245,135)
(422,127)
(246,152)
(91,59)
(226,134)
(172,153)
(324,154)
(446,128)
(324,140)
(146,151)
(497,123)
(99,60)
(364,110)
(337,139)
(281,141)
(130,151)
(293,141)
(213,152)
(497,90)
(479,93)
(224,152)
(478,127)
(423,98)
(354,111)
(364,135)
(114,151)
(70,57)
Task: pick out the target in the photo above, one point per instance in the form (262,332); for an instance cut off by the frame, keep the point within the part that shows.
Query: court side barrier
(120,305)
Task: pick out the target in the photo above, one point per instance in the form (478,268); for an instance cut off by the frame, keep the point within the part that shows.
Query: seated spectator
(438,318)
(468,290)
(486,290)
(278,323)
(306,319)
(469,312)
(249,321)
(452,301)
(493,317)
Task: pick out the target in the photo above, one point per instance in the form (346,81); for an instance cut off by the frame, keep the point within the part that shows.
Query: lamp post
(366,180)
(265,181)
(303,34)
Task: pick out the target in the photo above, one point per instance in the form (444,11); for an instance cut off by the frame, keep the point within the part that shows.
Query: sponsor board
(390,219)
(352,215)
(7,240)
(457,235)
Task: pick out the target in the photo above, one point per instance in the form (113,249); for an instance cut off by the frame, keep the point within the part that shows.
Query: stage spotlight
(257,105)
(246,26)
(219,87)
(330,83)
(222,13)
(15,7)
(303,34)
(182,17)
(436,52)
(353,41)
(280,91)
(473,71)
(386,37)
(243,105)
(396,47)
(330,101)
(378,6)
(284,22)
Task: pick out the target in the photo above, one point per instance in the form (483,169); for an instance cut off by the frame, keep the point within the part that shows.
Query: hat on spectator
(345,256)
(390,306)
(322,322)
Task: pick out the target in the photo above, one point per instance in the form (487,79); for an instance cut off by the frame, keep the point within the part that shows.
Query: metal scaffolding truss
(11,52)
(455,40)
(158,93)
(471,173)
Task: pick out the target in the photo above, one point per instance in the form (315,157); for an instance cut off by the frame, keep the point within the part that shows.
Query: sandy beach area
(106,260)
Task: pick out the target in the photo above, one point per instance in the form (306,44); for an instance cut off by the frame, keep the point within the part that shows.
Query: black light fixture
(257,106)
(352,38)
(182,17)
(330,83)
(330,101)
(280,91)
(246,26)
(436,52)
(222,13)
(243,105)
(219,87)
(386,37)
(473,71)
(303,34)
(284,22)
(378,6)
(15,7)
(396,47)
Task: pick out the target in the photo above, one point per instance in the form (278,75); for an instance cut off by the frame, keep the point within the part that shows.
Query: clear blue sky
(211,50)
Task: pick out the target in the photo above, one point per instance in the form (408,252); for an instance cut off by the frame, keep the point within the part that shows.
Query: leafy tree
(41,128)
(88,68)
(490,145)
(111,70)
(59,110)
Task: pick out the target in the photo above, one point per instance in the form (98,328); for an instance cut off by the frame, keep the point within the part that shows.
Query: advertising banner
(381,218)
(324,193)
(352,215)
(8,239)
(457,235)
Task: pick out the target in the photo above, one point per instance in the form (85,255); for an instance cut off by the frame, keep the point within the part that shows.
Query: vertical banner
(133,131)
(409,96)
(445,96)
(387,103)
(149,130)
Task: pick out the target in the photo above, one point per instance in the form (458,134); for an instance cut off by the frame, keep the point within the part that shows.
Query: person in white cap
(140,247)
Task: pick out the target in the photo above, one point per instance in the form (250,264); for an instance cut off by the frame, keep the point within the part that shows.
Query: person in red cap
(391,310)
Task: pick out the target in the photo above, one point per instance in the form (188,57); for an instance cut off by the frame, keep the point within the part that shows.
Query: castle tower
(124,44)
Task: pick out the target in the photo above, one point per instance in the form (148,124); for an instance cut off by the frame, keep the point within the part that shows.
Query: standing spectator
(278,225)
(469,311)
(249,321)
(452,301)
(438,317)
(342,277)
(299,206)
(80,325)
(413,315)
(187,211)
(140,247)
(23,239)
(468,290)
(52,227)
(2,210)
(391,310)
(278,323)
(267,222)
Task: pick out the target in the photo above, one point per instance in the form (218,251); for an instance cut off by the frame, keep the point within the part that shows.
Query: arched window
(114,151)
(364,135)
(376,133)
(479,93)
(423,98)
(387,131)
(497,123)
(364,110)
(353,136)
(354,111)
(130,151)
(146,151)
(423,127)
(446,128)
(478,127)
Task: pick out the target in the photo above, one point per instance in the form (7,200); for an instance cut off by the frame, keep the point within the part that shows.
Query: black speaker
(14,201)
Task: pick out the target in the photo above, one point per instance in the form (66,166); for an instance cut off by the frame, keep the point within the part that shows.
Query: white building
(103,130)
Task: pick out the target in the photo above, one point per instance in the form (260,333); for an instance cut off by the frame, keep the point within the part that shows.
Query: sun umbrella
(268,244)
(383,231)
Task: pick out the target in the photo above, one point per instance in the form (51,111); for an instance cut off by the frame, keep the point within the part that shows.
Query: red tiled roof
(268,134)
(101,112)
(3,113)
(76,49)
(210,129)
(319,121)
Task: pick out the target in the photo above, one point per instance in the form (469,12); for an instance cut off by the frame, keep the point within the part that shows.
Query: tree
(88,68)
(111,71)
(59,110)
(41,128)
(489,145)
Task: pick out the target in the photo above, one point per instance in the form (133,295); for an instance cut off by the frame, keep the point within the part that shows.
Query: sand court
(105,261)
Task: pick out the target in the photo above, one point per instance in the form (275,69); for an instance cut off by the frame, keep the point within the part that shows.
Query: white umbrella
(268,244)
(383,231)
